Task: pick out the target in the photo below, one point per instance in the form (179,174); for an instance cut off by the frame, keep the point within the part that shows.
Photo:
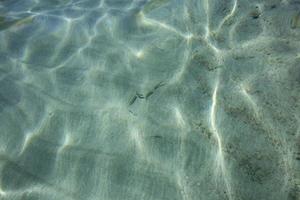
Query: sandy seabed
(150,100)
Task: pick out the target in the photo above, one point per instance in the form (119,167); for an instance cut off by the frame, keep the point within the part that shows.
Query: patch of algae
(295,22)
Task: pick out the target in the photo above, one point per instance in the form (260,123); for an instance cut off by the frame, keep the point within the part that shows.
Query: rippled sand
(150,99)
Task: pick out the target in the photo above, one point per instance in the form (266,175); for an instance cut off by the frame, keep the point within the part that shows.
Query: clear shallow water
(152,100)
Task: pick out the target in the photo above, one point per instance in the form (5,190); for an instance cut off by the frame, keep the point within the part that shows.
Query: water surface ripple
(149,100)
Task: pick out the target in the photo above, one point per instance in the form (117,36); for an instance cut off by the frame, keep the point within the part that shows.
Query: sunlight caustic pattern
(149,99)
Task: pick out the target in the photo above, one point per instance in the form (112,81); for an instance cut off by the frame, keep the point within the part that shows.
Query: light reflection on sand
(99,100)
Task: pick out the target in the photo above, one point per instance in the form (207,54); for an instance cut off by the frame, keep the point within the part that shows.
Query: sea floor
(149,99)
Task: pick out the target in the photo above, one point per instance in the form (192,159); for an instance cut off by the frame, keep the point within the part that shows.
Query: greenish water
(150,100)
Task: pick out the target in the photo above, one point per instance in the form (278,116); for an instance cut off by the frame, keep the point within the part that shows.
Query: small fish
(132,100)
(160,84)
(255,14)
(157,136)
(149,94)
(6,23)
(139,95)
(298,156)
(130,111)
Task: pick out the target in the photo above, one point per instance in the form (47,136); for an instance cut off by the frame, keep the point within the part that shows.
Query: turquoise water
(149,99)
